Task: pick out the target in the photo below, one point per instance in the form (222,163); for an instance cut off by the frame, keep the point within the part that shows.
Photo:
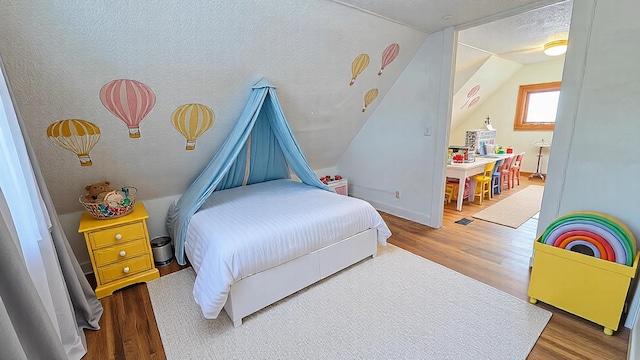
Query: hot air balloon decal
(129,100)
(358,65)
(75,135)
(192,120)
(369,97)
(388,55)
(474,90)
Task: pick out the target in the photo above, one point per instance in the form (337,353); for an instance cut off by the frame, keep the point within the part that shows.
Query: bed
(251,246)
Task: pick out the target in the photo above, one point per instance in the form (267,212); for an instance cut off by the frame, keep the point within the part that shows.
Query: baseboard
(634,344)
(86,268)
(527,174)
(399,212)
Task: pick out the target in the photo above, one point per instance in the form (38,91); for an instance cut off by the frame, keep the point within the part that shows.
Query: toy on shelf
(583,263)
(327,178)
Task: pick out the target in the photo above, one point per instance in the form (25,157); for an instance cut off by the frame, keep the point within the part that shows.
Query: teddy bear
(96,192)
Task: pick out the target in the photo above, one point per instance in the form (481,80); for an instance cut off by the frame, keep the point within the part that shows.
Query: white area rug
(395,306)
(516,209)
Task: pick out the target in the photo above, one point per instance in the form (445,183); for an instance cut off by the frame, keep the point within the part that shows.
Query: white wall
(488,79)
(391,152)
(58,56)
(594,162)
(501,107)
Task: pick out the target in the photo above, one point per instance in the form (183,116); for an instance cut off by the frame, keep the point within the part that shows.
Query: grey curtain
(26,330)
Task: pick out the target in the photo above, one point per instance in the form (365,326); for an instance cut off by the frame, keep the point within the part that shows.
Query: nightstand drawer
(117,235)
(123,269)
(128,250)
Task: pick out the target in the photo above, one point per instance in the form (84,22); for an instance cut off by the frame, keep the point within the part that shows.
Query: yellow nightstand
(119,249)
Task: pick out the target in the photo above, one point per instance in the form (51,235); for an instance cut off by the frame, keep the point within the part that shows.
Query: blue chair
(496,187)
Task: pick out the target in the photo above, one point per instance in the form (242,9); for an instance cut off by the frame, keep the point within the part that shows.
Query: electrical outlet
(397,194)
(427,131)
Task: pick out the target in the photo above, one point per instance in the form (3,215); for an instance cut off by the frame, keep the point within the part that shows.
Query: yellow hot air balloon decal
(369,97)
(192,120)
(358,65)
(75,135)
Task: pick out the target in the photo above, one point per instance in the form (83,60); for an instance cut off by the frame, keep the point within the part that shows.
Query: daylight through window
(537,106)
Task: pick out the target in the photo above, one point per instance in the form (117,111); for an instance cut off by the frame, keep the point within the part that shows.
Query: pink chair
(505,173)
(515,169)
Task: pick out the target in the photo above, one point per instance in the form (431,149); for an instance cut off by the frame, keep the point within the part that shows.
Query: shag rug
(394,306)
(516,209)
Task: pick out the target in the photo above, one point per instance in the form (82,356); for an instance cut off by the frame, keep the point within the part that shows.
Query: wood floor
(490,253)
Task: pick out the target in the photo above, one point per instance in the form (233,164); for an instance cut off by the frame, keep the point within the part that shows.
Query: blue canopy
(261,147)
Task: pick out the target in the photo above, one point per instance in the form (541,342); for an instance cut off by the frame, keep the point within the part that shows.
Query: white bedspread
(241,231)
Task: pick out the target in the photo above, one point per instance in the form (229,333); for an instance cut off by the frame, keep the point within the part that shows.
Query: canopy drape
(261,147)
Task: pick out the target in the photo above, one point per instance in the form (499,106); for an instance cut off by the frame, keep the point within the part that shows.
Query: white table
(465,170)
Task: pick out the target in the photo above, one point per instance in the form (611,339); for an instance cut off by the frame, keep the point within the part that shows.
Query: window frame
(520,122)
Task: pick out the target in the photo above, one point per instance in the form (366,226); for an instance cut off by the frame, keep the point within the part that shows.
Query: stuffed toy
(97,192)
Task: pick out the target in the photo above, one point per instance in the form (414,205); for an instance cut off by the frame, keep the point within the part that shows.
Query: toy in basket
(112,204)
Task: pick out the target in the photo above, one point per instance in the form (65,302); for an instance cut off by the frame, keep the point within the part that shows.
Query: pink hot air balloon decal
(474,101)
(129,100)
(388,55)
(474,90)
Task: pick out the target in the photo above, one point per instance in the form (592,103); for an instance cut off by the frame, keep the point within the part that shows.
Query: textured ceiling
(521,37)
(511,32)
(517,38)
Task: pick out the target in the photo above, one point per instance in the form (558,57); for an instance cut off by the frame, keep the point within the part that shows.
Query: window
(537,106)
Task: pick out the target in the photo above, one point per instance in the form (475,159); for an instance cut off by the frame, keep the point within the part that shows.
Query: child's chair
(483,182)
(448,191)
(504,174)
(515,170)
(495,178)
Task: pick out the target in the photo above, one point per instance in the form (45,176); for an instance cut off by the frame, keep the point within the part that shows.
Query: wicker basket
(116,203)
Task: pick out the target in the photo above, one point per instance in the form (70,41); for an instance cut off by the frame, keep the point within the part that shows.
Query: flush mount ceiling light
(555,48)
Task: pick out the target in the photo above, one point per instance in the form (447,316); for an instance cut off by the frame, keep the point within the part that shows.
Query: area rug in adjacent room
(516,209)
(395,306)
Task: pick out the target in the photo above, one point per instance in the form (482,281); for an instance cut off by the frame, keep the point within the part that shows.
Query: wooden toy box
(585,286)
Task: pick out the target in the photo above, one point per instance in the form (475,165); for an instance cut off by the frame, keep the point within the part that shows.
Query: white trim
(572,78)
(443,125)
(400,212)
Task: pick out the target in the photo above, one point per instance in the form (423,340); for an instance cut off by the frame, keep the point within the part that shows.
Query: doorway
(493,60)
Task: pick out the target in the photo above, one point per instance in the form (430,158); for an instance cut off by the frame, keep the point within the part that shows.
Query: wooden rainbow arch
(606,237)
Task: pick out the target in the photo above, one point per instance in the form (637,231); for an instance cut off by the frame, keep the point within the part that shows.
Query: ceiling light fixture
(555,48)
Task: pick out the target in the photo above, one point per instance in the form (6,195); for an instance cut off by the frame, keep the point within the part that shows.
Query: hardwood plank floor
(493,254)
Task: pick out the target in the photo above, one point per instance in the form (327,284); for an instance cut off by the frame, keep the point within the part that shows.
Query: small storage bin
(162,250)
(591,288)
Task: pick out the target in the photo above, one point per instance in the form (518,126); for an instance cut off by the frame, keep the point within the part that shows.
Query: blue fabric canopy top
(261,147)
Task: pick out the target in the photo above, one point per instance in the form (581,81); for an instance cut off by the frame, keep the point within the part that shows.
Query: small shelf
(339,186)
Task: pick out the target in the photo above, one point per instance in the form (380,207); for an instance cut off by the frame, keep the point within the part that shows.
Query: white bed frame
(264,288)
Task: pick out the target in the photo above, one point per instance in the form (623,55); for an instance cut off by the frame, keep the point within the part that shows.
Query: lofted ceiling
(58,55)
(495,38)
(518,32)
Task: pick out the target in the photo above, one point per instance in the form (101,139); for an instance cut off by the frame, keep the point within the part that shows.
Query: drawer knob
(123,253)
(125,270)
(118,236)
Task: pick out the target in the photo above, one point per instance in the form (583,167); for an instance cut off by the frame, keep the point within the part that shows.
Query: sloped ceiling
(58,55)
(481,85)
(433,15)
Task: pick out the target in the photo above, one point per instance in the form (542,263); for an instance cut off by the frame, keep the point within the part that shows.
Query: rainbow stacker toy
(583,264)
